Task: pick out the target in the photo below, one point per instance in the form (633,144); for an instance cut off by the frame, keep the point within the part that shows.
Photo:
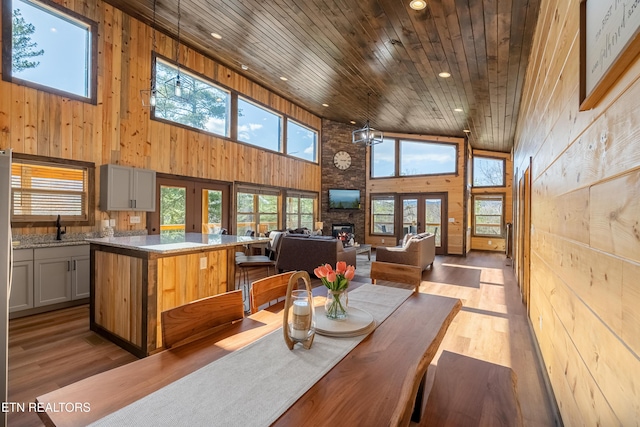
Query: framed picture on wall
(609,42)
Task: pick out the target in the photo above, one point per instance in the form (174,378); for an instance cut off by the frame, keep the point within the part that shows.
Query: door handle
(74,265)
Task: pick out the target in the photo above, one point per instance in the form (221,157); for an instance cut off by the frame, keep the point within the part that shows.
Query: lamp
(319,226)
(148,96)
(367,134)
(262,229)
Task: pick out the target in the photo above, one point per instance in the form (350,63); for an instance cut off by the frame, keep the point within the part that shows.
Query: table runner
(256,384)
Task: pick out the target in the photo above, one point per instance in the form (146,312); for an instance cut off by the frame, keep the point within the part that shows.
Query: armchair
(419,251)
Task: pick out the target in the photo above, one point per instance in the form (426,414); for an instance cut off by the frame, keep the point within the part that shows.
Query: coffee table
(360,249)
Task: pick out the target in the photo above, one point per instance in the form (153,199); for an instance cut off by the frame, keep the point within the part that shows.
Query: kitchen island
(135,278)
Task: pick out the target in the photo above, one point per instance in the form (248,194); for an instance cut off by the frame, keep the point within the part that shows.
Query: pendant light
(178,87)
(149,96)
(367,134)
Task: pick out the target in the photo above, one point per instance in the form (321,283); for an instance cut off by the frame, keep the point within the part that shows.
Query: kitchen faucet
(59,232)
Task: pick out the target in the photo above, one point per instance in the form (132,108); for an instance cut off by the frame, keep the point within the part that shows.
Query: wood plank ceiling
(335,52)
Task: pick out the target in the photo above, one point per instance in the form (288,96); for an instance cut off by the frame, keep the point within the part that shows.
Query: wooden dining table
(375,384)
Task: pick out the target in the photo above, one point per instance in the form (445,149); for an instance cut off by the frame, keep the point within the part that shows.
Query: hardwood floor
(492,325)
(51,350)
(48,351)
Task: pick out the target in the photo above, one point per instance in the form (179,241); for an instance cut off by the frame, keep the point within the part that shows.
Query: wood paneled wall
(585,234)
(453,185)
(119,130)
(492,243)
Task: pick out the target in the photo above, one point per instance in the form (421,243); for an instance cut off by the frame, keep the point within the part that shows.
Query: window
(202,105)
(302,142)
(488,215)
(383,159)
(301,210)
(488,172)
(258,126)
(255,207)
(42,190)
(426,158)
(383,215)
(51,48)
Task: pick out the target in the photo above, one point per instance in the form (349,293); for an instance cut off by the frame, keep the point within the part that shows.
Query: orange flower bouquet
(337,282)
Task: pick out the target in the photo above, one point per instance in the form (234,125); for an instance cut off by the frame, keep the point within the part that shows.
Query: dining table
(378,382)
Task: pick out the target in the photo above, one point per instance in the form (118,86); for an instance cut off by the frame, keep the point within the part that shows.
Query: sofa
(418,250)
(305,253)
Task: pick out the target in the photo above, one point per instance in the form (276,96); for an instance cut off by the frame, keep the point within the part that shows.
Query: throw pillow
(406,239)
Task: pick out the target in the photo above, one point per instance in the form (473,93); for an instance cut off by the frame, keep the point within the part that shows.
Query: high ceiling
(335,52)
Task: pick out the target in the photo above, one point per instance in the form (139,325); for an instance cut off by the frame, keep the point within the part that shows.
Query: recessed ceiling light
(352,122)
(444,74)
(325,105)
(284,79)
(458,110)
(216,36)
(244,67)
(418,4)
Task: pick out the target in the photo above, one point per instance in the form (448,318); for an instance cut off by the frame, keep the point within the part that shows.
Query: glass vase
(337,304)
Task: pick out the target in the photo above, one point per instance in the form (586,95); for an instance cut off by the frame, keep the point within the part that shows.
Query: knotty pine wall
(119,130)
(452,184)
(492,243)
(585,229)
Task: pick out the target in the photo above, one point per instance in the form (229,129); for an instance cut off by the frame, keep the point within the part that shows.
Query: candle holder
(298,324)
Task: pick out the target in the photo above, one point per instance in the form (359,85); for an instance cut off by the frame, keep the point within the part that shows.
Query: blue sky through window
(384,158)
(65,63)
(257,126)
(301,142)
(417,158)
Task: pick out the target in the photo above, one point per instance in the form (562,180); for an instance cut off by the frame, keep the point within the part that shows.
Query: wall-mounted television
(344,199)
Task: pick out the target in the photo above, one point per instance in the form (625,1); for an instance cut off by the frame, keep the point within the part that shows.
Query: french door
(425,213)
(189,206)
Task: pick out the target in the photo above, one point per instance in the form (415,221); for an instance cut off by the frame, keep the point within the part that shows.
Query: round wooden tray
(358,322)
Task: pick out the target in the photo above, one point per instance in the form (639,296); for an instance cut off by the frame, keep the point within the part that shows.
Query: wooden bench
(399,273)
(472,392)
(189,321)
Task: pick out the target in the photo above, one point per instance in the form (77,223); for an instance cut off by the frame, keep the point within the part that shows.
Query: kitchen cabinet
(60,274)
(123,188)
(80,276)
(21,297)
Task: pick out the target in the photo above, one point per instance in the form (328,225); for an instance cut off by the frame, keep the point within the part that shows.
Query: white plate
(358,322)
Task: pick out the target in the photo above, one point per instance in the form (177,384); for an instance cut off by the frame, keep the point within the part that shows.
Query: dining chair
(268,289)
(397,273)
(187,321)
(243,264)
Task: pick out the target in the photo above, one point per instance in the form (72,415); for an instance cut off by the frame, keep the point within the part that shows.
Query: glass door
(173,209)
(211,211)
(433,218)
(426,213)
(189,206)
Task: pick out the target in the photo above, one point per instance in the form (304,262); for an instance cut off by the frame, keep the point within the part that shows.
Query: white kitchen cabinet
(21,297)
(123,188)
(60,274)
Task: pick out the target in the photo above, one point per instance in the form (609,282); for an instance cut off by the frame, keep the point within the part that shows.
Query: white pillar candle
(301,321)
